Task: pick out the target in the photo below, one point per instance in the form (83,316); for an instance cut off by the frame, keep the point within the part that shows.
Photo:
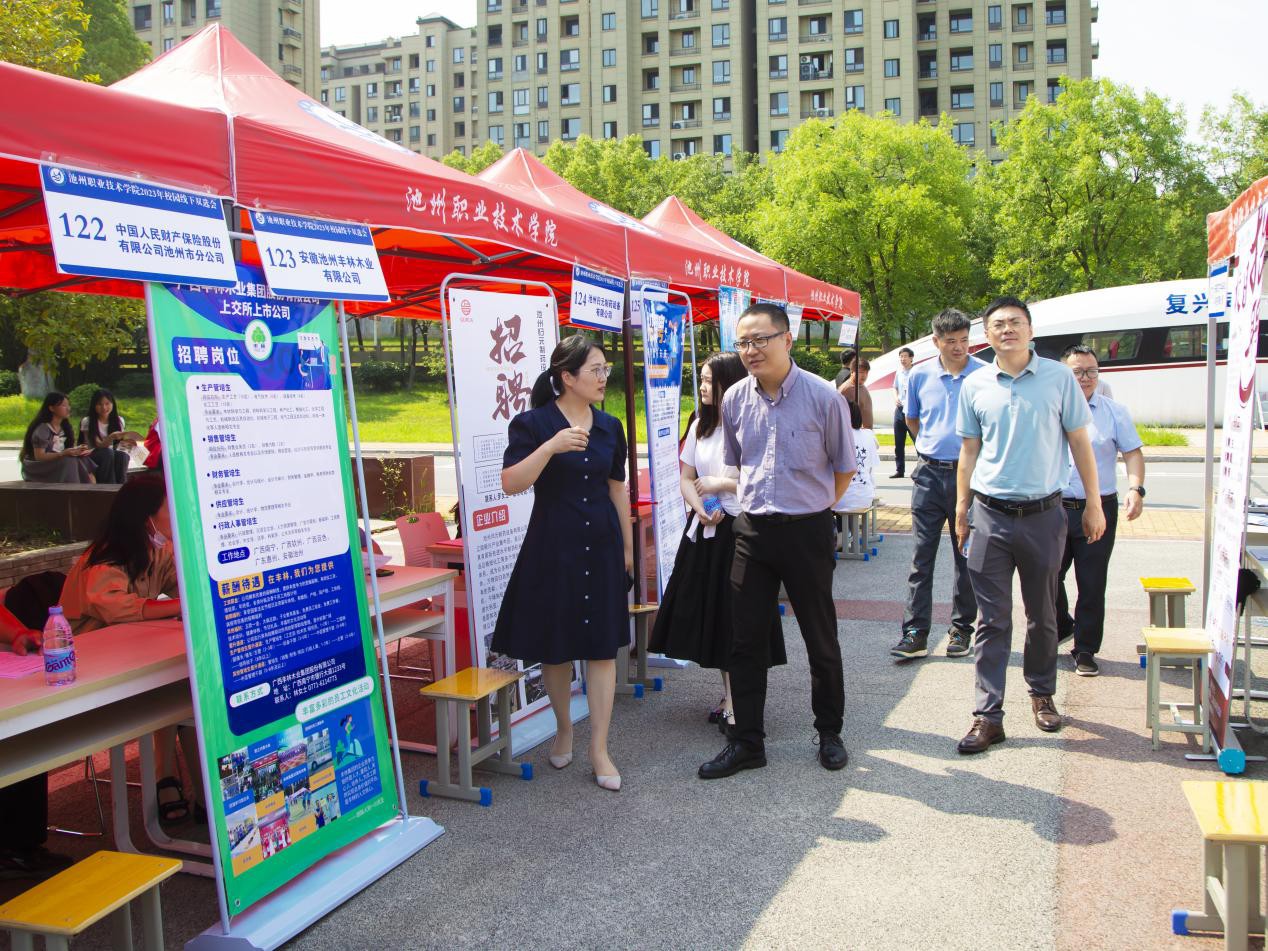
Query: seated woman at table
(118,580)
(48,452)
(106,435)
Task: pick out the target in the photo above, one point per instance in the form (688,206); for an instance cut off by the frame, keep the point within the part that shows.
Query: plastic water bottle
(710,504)
(59,649)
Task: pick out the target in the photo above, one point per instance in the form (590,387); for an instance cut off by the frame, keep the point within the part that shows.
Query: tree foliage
(480,158)
(72,329)
(1237,144)
(1099,189)
(112,49)
(43,34)
(877,206)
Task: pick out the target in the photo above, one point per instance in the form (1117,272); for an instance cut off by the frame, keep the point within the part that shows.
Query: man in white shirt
(905,356)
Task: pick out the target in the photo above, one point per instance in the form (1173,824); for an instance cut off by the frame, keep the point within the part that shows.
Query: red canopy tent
(673,217)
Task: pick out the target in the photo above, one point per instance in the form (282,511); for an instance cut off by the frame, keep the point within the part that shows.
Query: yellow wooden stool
(103,884)
(642,615)
(1166,600)
(1233,817)
(1169,644)
(473,686)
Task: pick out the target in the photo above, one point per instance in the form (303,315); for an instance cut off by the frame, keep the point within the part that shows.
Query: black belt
(939,463)
(780,518)
(1078,505)
(1019,508)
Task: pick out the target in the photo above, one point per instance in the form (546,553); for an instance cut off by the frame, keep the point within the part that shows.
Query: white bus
(1150,340)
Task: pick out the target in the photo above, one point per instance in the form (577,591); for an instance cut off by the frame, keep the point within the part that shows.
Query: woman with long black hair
(48,452)
(105,434)
(566,598)
(694,620)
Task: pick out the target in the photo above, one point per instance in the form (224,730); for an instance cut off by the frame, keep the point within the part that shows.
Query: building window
(520,64)
(415,134)
(722,144)
(543,63)
(854,60)
(459,104)
(891,29)
(169,11)
(995,55)
(431,115)
(651,79)
(457,55)
(415,110)
(720,4)
(168,43)
(519,102)
(963,134)
(495,101)
(430,42)
(495,67)
(1056,52)
(494,35)
(543,130)
(721,71)
(609,93)
(542,29)
(523,133)
(891,68)
(649,8)
(497,134)
(722,107)
(962,97)
(926,28)
(460,129)
(779,67)
(1054,89)
(721,34)
(415,85)
(570,26)
(777,28)
(414,61)
(213,8)
(431,90)
(927,61)
(894,105)
(853,21)
(372,114)
(609,57)
(961,60)
(688,40)
(1021,16)
(995,17)
(609,21)
(1021,54)
(569,60)
(1021,92)
(609,130)
(651,44)
(997,94)
(778,139)
(570,94)
(994,137)
(392,135)
(1054,14)
(961,21)
(543,97)
(651,114)
(779,104)
(652,148)
(341,94)
(325,96)
(854,97)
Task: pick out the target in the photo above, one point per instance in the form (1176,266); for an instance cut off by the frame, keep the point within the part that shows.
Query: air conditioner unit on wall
(677,125)
(680,155)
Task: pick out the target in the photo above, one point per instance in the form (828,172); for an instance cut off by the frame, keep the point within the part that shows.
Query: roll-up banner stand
(664,325)
(496,345)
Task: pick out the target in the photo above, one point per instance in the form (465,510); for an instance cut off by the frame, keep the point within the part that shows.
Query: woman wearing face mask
(118,580)
(566,598)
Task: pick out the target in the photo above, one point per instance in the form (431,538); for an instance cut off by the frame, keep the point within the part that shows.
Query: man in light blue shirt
(933,401)
(1111,432)
(901,434)
(1016,418)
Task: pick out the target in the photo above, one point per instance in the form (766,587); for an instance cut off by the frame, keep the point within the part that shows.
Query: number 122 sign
(107,226)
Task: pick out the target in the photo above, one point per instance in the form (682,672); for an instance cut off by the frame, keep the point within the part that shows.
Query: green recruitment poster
(290,705)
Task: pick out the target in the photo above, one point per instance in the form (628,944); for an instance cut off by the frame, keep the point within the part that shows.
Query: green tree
(43,34)
(877,206)
(480,158)
(112,49)
(1099,189)
(616,172)
(62,328)
(1237,150)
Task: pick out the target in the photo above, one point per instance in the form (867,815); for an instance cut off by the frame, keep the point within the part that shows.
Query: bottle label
(711,504)
(59,660)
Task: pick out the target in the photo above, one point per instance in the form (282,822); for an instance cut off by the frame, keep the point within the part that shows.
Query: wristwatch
(1138,488)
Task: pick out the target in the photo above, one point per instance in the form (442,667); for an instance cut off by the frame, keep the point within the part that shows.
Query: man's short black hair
(1007,301)
(950,321)
(847,356)
(778,316)
(1080,348)
(907,350)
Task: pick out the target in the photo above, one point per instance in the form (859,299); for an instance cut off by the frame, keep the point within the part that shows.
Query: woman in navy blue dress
(566,599)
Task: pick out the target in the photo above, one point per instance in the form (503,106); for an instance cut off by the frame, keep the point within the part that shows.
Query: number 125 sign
(107,226)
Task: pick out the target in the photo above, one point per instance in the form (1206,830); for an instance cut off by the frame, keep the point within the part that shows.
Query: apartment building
(417,90)
(283,33)
(692,76)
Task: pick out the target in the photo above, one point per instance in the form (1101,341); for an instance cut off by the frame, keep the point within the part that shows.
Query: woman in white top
(105,433)
(862,488)
(694,620)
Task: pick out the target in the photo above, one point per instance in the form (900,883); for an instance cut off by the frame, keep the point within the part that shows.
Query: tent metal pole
(631,441)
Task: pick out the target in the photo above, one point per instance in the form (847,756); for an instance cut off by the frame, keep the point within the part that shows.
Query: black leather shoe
(732,759)
(832,754)
(983,734)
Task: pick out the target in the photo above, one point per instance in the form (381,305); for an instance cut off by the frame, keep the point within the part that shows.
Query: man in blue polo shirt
(1112,432)
(1017,418)
(933,400)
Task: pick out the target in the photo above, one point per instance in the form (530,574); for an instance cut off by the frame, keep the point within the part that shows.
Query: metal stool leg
(152,920)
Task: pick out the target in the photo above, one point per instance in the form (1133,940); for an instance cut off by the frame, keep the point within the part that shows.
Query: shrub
(429,366)
(9,385)
(822,363)
(138,383)
(380,375)
(81,402)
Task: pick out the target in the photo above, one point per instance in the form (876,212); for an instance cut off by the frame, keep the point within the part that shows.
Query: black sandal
(173,810)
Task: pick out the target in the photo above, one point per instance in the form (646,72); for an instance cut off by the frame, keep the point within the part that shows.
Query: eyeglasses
(1089,374)
(1011,323)
(757,343)
(601,373)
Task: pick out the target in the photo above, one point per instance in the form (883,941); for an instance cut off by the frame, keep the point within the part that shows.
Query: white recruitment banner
(794,320)
(663,333)
(311,257)
(849,332)
(107,226)
(1230,500)
(644,291)
(499,344)
(598,300)
(732,301)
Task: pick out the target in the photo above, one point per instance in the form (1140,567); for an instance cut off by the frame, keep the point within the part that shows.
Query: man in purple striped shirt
(788,432)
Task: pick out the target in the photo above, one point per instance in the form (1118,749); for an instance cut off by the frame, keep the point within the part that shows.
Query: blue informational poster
(663,334)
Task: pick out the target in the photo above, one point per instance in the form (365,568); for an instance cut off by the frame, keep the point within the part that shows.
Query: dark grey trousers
(932,508)
(1033,546)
